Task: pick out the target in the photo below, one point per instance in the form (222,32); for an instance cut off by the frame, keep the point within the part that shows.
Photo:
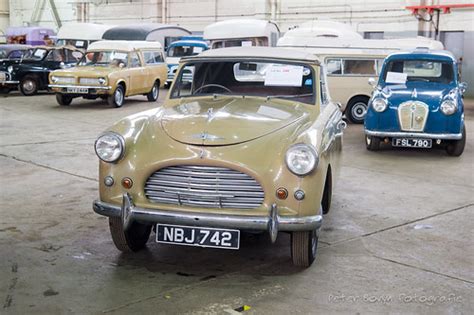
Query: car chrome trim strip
(441,136)
(273,222)
(9,82)
(96,87)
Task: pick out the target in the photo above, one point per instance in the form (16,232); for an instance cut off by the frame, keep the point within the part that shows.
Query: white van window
(353,67)
(359,67)
(334,66)
(152,57)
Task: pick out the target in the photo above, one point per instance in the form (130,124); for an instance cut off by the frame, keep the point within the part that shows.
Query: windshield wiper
(288,96)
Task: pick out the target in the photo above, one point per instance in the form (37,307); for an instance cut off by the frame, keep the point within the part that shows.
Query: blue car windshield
(402,71)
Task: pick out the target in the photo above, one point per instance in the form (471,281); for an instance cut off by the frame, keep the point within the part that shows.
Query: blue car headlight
(448,107)
(379,104)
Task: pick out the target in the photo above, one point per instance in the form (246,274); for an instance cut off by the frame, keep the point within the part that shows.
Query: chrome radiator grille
(413,115)
(204,186)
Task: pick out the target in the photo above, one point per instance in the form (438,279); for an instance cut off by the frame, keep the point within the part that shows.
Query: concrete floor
(399,237)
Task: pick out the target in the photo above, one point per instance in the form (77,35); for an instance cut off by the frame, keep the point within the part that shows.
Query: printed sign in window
(246,43)
(396,77)
(284,75)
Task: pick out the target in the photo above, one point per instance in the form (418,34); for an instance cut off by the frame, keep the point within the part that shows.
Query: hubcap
(118,97)
(359,110)
(28,86)
(155,92)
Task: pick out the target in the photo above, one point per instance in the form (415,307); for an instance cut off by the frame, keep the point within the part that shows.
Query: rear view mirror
(372,82)
(246,66)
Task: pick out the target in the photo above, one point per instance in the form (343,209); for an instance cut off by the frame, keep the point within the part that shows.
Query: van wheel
(152,96)
(132,240)
(356,109)
(63,99)
(372,143)
(29,85)
(117,98)
(304,246)
(456,147)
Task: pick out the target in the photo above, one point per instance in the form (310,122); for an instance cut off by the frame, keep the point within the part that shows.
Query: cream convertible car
(252,144)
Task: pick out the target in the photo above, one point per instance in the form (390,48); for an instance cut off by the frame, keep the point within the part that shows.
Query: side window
(153,57)
(323,87)
(158,55)
(359,67)
(334,66)
(134,60)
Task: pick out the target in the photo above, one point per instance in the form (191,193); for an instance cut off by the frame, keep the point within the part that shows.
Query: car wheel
(152,96)
(456,147)
(304,246)
(117,98)
(372,143)
(357,109)
(29,86)
(132,240)
(63,99)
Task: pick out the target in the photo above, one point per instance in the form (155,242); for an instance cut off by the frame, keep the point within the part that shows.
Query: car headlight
(110,147)
(10,69)
(448,107)
(379,104)
(102,81)
(54,79)
(301,159)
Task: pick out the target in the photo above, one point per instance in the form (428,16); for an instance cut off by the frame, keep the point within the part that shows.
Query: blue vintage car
(185,47)
(417,103)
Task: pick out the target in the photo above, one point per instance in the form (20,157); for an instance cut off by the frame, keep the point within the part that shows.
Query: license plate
(77,90)
(198,236)
(411,143)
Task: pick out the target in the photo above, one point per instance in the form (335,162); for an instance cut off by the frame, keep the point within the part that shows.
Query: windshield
(104,58)
(182,51)
(401,71)
(249,78)
(36,54)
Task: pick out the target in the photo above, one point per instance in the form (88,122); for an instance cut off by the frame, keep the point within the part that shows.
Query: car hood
(228,120)
(90,71)
(429,93)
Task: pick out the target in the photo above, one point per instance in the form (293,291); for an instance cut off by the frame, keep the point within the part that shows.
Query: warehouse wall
(387,16)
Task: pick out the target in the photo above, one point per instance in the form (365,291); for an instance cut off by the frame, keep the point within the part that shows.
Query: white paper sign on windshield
(284,75)
(396,77)
(246,43)
(197,49)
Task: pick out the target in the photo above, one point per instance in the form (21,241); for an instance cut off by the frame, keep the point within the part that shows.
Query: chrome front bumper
(95,87)
(9,82)
(273,223)
(441,136)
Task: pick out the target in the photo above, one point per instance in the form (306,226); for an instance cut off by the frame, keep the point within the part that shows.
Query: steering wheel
(211,85)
